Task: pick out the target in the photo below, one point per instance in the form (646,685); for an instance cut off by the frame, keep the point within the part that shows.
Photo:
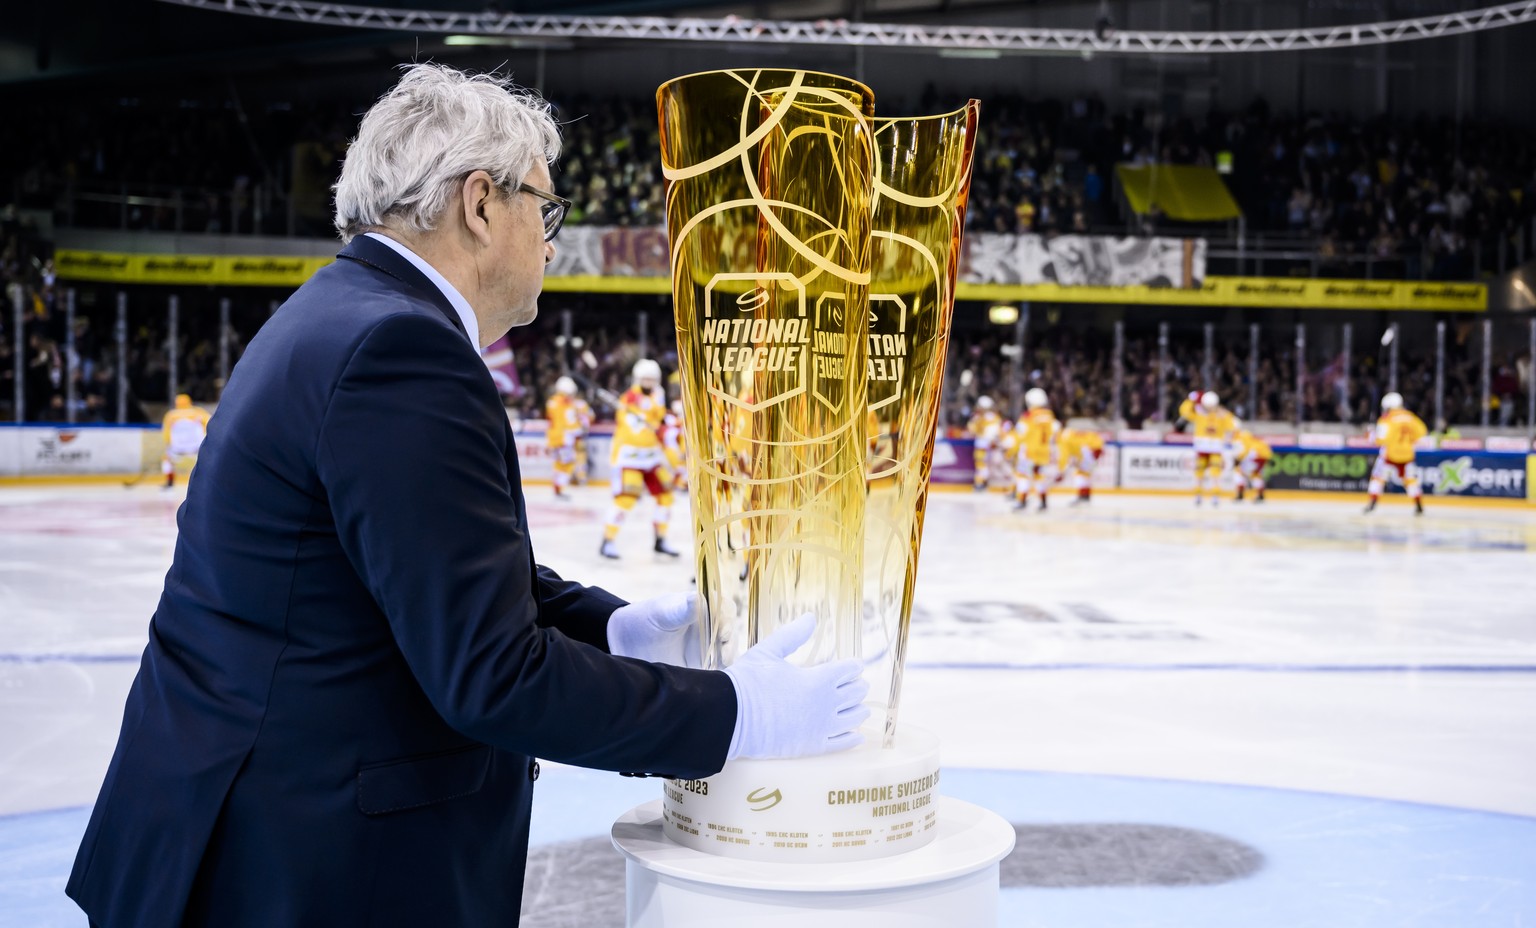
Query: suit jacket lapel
(381,257)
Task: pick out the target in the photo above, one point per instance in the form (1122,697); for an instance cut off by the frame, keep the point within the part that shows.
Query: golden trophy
(814,252)
(922,181)
(768,219)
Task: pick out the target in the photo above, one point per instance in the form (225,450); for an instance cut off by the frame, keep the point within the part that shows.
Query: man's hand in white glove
(661,630)
(788,711)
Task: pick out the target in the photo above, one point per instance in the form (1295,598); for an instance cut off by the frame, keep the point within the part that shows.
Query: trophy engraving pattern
(768,213)
(814,253)
(922,181)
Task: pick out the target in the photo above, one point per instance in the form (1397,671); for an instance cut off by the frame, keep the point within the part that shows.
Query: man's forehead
(538,176)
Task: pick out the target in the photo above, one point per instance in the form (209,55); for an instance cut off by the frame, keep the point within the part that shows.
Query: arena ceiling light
(1002,314)
(506,41)
(879,35)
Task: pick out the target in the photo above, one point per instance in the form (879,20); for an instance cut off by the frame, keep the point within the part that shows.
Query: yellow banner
(1186,192)
(592,283)
(1259,292)
(216,270)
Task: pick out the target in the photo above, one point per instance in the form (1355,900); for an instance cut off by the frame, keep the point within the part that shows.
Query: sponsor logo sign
(536,460)
(219,270)
(60,450)
(1320,469)
(1450,473)
(1443,473)
(1153,467)
(1504,443)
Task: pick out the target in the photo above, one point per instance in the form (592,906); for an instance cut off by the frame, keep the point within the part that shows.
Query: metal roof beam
(883,35)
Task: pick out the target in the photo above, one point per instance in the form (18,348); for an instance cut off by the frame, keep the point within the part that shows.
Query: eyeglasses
(552,211)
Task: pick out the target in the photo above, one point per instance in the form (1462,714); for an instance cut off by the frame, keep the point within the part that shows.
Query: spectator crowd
(1426,194)
(1422,195)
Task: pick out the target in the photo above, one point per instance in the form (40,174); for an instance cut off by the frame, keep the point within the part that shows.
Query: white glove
(787,711)
(661,630)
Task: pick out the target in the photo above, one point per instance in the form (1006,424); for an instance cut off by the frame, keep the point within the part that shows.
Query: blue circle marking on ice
(1271,857)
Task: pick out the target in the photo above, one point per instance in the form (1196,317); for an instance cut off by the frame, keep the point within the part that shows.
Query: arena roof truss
(878,35)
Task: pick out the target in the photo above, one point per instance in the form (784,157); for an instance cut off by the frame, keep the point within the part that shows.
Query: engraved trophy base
(953,880)
(862,804)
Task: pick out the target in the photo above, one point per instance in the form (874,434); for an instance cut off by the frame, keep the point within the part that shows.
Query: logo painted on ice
(763,795)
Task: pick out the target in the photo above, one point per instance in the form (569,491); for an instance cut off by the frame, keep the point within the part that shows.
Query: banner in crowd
(45,450)
(1186,192)
(1261,292)
(212,270)
(587,253)
(1083,260)
(1319,293)
(1060,269)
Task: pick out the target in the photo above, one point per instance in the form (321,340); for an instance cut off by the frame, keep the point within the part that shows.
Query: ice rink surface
(1281,715)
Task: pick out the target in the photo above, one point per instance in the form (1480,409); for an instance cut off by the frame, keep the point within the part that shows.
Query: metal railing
(1469,372)
(258,209)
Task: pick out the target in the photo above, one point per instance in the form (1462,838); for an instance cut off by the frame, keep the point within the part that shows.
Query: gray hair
(421,139)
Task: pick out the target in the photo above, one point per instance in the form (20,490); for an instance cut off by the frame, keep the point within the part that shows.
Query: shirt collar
(460,305)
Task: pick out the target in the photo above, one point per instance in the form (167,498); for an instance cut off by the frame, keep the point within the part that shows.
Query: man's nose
(549,252)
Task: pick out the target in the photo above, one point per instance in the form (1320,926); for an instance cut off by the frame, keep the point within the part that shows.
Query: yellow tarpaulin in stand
(1185,192)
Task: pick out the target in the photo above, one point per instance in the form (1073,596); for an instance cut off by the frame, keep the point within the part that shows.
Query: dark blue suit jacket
(355,657)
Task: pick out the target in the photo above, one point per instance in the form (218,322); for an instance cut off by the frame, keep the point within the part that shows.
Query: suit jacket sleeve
(577,611)
(412,455)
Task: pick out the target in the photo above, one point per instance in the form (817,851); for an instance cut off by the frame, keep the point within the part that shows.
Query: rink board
(54,451)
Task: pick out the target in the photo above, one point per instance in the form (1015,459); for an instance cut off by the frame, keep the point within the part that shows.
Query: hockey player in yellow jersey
(985,427)
(640,459)
(1080,453)
(183,429)
(1397,432)
(1251,455)
(584,419)
(565,430)
(1008,444)
(674,445)
(1213,429)
(1037,430)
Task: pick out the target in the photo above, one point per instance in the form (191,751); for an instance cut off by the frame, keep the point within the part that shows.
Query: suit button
(533,770)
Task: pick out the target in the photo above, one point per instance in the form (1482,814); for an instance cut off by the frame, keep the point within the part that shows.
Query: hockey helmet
(647,372)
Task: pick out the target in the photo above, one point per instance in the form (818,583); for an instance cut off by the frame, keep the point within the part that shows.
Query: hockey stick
(588,360)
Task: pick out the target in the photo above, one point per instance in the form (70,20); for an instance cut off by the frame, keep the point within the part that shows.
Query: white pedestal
(862,804)
(951,882)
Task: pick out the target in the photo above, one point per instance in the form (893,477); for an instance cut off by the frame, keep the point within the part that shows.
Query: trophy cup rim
(971,104)
(860,85)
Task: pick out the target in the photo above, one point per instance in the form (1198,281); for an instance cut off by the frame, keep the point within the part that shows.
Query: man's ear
(476,195)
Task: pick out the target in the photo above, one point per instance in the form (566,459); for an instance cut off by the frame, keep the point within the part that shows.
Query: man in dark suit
(355,657)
